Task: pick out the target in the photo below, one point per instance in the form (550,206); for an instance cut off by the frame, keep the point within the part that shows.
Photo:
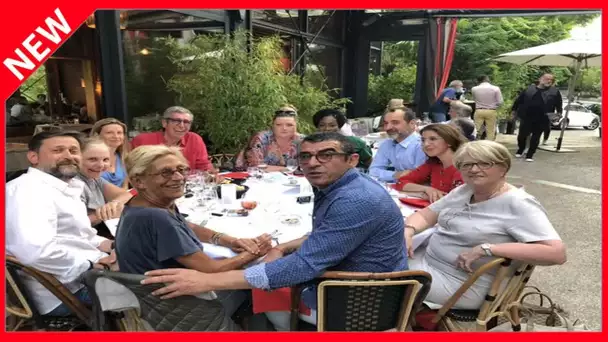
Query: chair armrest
(464,287)
(55,287)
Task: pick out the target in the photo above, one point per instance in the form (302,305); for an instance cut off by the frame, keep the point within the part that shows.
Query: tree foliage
(478,41)
(35,84)
(235,93)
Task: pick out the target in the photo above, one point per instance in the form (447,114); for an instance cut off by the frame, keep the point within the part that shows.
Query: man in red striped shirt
(176,132)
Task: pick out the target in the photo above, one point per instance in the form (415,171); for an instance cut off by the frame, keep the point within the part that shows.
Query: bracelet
(412,227)
(215,238)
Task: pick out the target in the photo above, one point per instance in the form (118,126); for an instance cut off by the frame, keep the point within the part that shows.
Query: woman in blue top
(113,133)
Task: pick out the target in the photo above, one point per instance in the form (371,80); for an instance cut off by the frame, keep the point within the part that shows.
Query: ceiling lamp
(122,17)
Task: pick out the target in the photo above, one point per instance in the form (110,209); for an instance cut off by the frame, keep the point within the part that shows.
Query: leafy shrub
(399,84)
(234,93)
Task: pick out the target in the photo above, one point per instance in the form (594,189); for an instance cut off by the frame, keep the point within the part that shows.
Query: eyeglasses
(179,121)
(168,173)
(322,157)
(285,113)
(480,165)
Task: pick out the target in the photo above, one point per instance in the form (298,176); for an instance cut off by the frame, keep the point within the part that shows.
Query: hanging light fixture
(122,17)
(98,87)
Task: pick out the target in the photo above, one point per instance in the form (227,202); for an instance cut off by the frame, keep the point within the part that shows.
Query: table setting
(249,204)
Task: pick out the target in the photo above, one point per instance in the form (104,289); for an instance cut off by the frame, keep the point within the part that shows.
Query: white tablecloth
(276,201)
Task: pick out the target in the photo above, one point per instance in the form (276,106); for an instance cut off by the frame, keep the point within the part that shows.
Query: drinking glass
(291,165)
(254,172)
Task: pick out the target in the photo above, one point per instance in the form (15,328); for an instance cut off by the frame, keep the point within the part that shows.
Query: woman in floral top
(439,142)
(276,146)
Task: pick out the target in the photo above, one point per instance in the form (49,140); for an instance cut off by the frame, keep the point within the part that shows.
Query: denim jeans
(62,310)
(438,117)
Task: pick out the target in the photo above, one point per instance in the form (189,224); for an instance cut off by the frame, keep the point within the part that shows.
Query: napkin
(276,300)
(415,202)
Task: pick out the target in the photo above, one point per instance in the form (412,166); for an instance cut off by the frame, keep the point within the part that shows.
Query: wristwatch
(487,248)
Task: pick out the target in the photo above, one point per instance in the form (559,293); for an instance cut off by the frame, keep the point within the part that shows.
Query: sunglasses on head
(285,113)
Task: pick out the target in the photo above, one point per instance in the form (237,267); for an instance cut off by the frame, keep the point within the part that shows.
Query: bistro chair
(121,302)
(20,305)
(353,301)
(506,288)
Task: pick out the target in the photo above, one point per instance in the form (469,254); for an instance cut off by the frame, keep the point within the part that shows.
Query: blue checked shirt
(406,155)
(357,227)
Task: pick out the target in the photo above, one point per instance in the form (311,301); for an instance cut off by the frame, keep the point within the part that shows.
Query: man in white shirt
(488,98)
(47,226)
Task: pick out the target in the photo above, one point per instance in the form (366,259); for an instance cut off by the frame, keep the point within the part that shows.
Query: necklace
(493,194)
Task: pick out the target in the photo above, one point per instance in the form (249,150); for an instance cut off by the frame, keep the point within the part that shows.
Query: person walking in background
(488,98)
(439,110)
(533,106)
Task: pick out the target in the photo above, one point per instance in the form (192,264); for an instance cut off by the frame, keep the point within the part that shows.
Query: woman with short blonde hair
(483,219)
(153,234)
(114,133)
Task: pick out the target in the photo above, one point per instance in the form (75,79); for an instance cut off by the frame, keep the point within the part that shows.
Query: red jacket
(444,179)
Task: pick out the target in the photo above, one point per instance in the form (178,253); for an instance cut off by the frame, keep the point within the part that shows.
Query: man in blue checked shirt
(403,151)
(357,227)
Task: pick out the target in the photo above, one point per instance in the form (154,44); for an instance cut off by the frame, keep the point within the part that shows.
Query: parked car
(578,116)
(594,107)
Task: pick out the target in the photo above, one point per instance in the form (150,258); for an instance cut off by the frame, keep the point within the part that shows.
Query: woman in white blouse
(482,219)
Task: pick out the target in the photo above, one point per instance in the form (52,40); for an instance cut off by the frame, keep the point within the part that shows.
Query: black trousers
(527,128)
(547,132)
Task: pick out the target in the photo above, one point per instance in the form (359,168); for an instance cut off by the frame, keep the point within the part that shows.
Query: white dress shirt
(347,130)
(47,228)
(487,96)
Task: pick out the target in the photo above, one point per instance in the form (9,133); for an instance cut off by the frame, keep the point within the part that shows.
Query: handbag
(531,316)
(554,117)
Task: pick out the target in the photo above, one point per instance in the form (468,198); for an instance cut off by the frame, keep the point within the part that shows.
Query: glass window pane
(147,66)
(278,17)
(323,66)
(318,18)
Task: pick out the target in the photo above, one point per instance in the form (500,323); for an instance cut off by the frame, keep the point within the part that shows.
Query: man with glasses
(176,123)
(357,227)
(403,151)
(536,107)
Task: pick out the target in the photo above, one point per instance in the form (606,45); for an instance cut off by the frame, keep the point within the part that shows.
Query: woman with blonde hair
(274,147)
(103,199)
(114,134)
(483,219)
(153,234)
(439,143)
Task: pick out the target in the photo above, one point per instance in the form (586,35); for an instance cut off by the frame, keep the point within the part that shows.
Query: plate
(290,184)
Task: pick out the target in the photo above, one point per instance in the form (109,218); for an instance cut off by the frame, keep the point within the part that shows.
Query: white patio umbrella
(574,52)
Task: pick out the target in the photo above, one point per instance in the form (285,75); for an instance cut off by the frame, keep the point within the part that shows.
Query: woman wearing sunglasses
(275,147)
(152,234)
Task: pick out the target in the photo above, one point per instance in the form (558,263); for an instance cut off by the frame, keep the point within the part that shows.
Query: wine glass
(254,172)
(291,165)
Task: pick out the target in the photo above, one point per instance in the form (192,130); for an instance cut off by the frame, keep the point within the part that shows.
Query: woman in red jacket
(439,142)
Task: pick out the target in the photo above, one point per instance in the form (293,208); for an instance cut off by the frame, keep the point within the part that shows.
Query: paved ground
(568,185)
